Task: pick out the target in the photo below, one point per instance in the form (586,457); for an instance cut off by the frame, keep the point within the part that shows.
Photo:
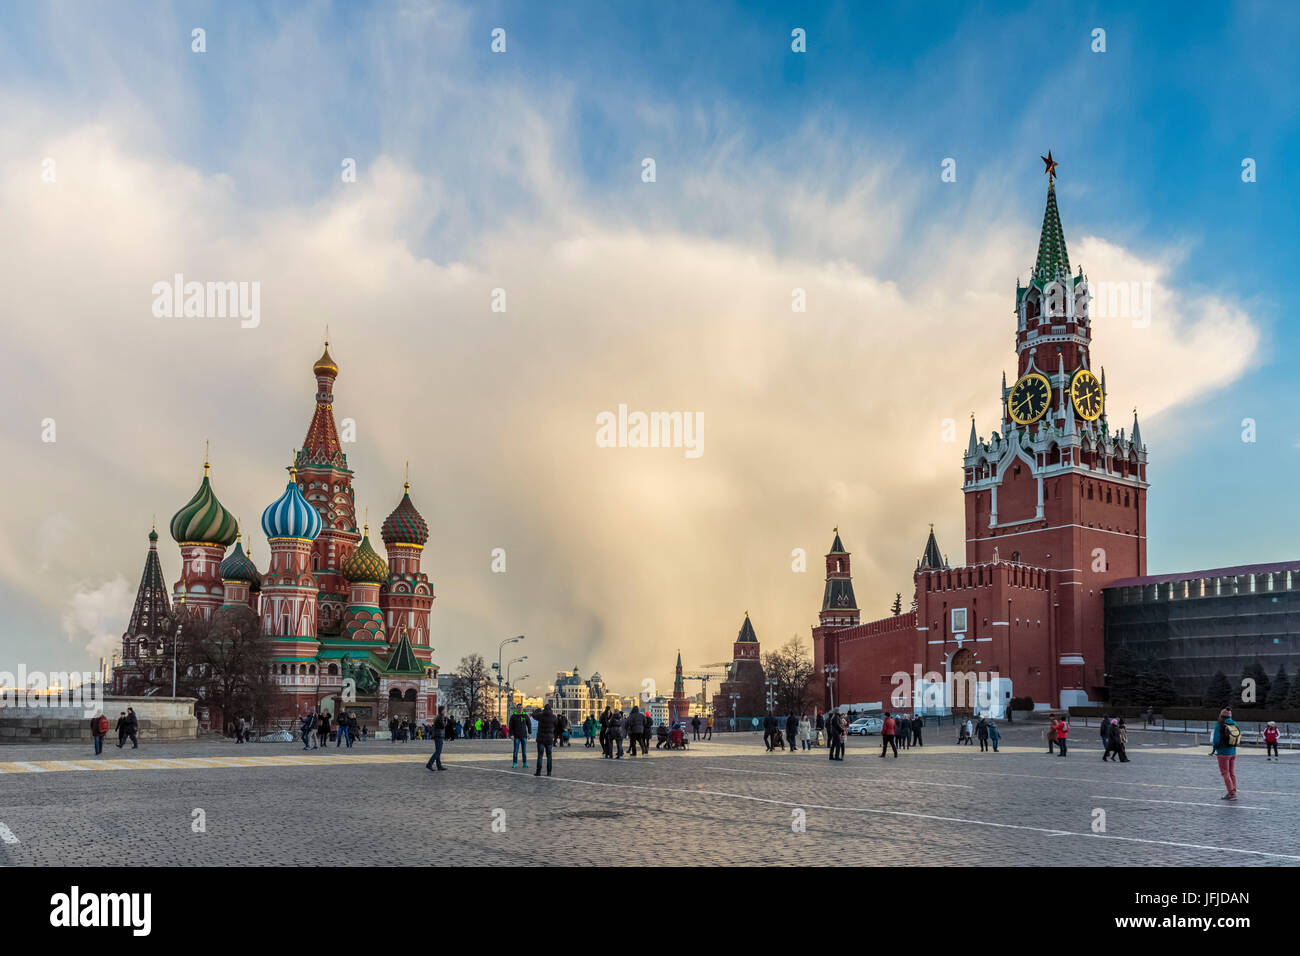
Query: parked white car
(866,725)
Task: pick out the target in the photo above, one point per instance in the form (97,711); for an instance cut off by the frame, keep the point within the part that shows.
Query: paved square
(723,802)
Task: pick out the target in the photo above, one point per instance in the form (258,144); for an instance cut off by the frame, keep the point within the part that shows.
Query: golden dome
(325,365)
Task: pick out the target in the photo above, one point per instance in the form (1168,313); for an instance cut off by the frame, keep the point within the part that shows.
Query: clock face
(1029,398)
(1086,396)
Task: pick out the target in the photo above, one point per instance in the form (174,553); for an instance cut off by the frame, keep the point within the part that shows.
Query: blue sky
(1150,135)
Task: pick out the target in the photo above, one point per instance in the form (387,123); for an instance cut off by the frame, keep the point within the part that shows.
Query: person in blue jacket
(1224,742)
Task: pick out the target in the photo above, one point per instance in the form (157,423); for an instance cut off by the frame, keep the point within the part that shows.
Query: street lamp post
(830,670)
(508,640)
(510,686)
(734,699)
(176,638)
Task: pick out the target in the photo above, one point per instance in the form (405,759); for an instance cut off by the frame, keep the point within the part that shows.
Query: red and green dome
(405,525)
(203,520)
(364,566)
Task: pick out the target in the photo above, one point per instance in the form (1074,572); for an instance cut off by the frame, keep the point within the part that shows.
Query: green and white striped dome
(203,520)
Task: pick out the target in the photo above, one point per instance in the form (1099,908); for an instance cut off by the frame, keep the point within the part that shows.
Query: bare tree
(470,687)
(790,668)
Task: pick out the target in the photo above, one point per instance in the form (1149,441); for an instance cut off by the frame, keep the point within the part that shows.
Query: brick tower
(407,594)
(1054,488)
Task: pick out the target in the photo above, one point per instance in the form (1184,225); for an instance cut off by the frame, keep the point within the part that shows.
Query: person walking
(970,732)
(1051,736)
(708,728)
(99,730)
(820,728)
(586,732)
(982,732)
(606,744)
(341,728)
(1223,744)
(308,722)
(1105,737)
(617,729)
(354,729)
(791,730)
(887,735)
(695,726)
(916,730)
(1062,733)
(635,726)
(439,733)
(1118,739)
(323,728)
(805,732)
(132,727)
(1270,740)
(769,725)
(994,735)
(545,738)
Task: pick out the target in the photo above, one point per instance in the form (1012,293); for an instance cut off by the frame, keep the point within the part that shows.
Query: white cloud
(833,416)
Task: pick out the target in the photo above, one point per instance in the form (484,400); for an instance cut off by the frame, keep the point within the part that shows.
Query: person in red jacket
(887,737)
(1051,737)
(1062,732)
(1270,740)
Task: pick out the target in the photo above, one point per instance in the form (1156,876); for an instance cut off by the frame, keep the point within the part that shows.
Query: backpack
(101,725)
(1231,736)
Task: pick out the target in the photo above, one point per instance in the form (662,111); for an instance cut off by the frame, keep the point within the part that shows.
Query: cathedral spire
(1136,437)
(972,445)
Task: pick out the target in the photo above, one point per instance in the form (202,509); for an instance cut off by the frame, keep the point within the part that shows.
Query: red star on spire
(1051,165)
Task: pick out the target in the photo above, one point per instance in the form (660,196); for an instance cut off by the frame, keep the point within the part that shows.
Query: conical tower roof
(152,612)
(931,557)
(837,546)
(747,634)
(1053,260)
(403,659)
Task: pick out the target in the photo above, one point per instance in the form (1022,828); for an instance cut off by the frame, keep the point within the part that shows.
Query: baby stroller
(677,739)
(778,740)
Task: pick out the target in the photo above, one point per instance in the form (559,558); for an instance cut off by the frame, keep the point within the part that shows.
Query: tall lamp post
(176,638)
(508,640)
(771,695)
(830,670)
(510,686)
(734,699)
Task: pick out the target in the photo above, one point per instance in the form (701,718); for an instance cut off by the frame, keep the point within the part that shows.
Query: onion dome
(203,520)
(405,525)
(326,365)
(290,515)
(238,566)
(364,566)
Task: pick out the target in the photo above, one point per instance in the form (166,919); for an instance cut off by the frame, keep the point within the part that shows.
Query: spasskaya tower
(1054,487)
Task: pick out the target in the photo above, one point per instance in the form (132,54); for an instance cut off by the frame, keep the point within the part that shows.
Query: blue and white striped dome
(290,515)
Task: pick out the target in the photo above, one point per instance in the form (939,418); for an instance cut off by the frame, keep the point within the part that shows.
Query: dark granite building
(1195,623)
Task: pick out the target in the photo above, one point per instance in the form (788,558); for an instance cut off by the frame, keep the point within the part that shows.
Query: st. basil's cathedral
(334,609)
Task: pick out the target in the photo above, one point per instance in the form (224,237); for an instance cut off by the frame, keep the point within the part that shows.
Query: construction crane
(704,682)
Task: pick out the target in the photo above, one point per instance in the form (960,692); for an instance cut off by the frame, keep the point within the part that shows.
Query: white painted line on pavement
(1117,783)
(1050,831)
(7,835)
(1181,803)
(28,765)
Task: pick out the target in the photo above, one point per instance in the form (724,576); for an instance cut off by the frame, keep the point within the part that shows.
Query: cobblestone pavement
(722,802)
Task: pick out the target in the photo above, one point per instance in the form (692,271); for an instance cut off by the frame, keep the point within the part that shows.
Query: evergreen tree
(1293,702)
(1160,690)
(1219,693)
(1279,693)
(1122,679)
(898,605)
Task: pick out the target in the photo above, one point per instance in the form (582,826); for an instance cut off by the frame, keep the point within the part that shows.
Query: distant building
(741,693)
